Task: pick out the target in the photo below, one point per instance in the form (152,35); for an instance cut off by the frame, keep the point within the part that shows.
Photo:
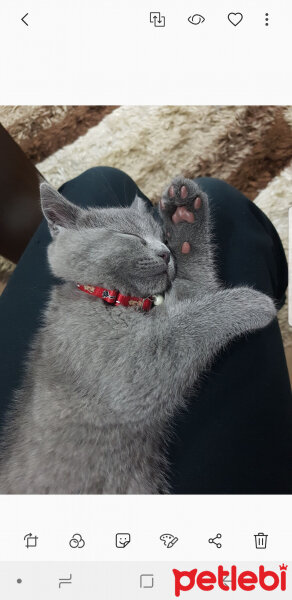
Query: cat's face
(115,248)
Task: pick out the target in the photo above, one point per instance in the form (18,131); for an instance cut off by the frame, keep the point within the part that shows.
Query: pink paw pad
(182,214)
(183,192)
(186,248)
(162,204)
(197,203)
(171,192)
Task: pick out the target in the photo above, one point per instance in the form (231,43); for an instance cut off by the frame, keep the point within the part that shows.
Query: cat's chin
(159,285)
(150,285)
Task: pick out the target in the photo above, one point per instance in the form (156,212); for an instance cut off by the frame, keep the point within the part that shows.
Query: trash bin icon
(261,540)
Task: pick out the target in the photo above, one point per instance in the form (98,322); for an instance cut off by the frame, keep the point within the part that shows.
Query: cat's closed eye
(129,234)
(137,236)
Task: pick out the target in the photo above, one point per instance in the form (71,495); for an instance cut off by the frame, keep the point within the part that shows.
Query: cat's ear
(59,212)
(139,205)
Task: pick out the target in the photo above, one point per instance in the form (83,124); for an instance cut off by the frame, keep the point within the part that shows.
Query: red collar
(114,297)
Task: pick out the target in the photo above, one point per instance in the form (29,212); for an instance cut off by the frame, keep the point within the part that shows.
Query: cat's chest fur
(81,414)
(100,354)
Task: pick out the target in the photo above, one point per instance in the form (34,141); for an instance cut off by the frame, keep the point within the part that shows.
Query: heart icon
(235,18)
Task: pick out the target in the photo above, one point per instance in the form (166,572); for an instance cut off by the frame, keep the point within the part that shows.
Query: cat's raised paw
(184,209)
(181,201)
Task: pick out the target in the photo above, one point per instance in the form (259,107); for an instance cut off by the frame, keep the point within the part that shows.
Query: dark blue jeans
(236,435)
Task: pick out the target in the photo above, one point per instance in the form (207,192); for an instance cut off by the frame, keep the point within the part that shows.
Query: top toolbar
(113,52)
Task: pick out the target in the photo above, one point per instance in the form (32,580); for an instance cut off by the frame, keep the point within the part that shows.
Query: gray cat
(103,381)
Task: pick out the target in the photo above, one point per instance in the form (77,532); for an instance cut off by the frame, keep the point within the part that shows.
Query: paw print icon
(77,541)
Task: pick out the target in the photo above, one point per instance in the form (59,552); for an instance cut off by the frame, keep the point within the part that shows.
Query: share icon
(213,540)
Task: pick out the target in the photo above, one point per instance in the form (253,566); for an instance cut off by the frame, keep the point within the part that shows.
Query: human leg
(236,435)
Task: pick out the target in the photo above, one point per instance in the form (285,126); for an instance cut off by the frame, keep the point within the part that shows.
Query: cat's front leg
(184,208)
(194,332)
(202,329)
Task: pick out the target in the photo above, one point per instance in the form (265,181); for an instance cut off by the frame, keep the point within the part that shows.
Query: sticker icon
(122,540)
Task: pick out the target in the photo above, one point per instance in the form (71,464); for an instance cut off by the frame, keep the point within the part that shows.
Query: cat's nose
(165,255)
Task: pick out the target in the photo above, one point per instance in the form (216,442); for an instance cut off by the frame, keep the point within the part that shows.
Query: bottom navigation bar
(134,580)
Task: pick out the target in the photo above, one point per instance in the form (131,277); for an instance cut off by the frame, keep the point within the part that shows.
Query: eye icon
(196,19)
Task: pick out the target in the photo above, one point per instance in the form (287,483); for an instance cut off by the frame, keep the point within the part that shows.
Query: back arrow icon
(24,20)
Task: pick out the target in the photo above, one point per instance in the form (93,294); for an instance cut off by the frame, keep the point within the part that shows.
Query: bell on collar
(158,299)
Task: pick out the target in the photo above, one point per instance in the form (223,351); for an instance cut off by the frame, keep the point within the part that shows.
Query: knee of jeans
(105,171)
(94,174)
